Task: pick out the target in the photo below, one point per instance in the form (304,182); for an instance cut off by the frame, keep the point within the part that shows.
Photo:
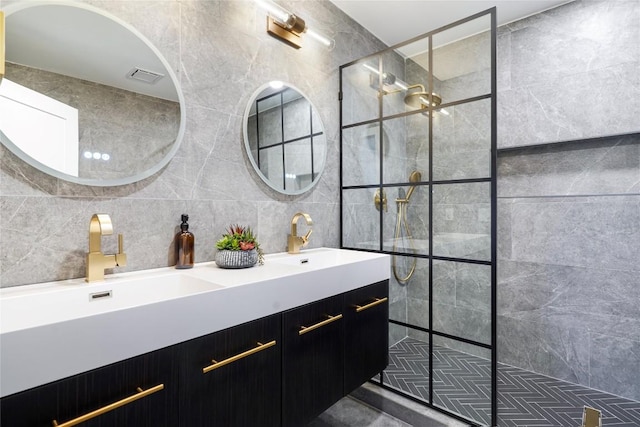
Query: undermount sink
(67,300)
(319,258)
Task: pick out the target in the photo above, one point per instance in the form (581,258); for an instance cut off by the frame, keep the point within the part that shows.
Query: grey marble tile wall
(569,239)
(221,53)
(463,69)
(569,215)
(570,73)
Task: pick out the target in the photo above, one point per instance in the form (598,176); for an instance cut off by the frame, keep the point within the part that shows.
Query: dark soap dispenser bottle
(184,245)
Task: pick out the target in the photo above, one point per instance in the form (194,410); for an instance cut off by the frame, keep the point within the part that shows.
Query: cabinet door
(242,387)
(141,391)
(313,360)
(32,408)
(366,334)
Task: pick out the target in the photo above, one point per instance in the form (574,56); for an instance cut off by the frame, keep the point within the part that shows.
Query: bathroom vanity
(274,345)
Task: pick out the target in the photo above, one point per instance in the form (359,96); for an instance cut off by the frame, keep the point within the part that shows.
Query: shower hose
(403,233)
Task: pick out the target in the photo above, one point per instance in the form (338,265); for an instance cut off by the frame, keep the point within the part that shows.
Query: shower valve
(380,200)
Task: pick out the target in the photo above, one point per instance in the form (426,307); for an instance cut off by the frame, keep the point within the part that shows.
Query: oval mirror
(86,97)
(284,138)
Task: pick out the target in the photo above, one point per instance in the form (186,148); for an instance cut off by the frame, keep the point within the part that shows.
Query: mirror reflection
(86,98)
(284,138)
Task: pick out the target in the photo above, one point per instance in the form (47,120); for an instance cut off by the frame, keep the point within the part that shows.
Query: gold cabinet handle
(304,329)
(232,359)
(141,393)
(377,301)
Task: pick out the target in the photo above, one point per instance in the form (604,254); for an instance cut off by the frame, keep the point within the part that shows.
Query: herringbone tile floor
(462,384)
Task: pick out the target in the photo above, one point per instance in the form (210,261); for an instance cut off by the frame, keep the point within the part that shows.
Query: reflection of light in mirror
(276,84)
(96,156)
(290,176)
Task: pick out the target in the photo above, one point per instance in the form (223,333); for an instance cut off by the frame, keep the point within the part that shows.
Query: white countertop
(50,331)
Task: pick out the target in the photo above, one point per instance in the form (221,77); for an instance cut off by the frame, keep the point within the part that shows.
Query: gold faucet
(295,242)
(99,226)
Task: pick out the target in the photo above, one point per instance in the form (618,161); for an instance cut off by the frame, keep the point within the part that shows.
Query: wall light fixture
(288,28)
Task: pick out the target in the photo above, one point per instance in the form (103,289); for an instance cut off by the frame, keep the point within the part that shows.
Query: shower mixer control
(380,200)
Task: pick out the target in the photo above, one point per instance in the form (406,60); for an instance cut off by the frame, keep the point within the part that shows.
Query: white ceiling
(394,21)
(80,41)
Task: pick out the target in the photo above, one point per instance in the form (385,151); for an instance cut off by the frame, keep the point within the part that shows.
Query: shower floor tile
(462,384)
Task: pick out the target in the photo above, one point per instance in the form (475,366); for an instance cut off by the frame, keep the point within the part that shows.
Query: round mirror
(86,97)
(284,138)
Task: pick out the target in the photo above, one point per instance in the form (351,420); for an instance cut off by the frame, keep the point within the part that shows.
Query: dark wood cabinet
(312,360)
(139,391)
(281,370)
(366,334)
(232,378)
(32,408)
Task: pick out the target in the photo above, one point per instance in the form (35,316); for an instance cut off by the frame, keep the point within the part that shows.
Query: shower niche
(418,182)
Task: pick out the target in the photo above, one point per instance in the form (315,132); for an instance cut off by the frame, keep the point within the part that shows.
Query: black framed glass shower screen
(418,182)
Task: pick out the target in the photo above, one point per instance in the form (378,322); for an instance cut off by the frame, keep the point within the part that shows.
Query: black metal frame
(430,183)
(310,136)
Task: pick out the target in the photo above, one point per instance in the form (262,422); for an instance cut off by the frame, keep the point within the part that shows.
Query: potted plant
(238,248)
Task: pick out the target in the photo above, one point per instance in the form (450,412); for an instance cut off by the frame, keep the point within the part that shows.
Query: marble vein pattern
(44,221)
(569,239)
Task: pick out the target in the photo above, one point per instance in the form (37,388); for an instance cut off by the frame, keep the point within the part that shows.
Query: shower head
(415,176)
(418,97)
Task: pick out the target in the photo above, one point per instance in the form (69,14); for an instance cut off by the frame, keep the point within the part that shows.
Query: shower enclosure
(418,182)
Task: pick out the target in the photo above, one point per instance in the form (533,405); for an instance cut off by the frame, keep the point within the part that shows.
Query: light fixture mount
(290,36)
(289,27)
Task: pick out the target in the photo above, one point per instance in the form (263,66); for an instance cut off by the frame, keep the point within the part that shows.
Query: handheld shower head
(415,176)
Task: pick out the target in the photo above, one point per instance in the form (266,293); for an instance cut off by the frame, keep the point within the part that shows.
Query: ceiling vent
(144,75)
